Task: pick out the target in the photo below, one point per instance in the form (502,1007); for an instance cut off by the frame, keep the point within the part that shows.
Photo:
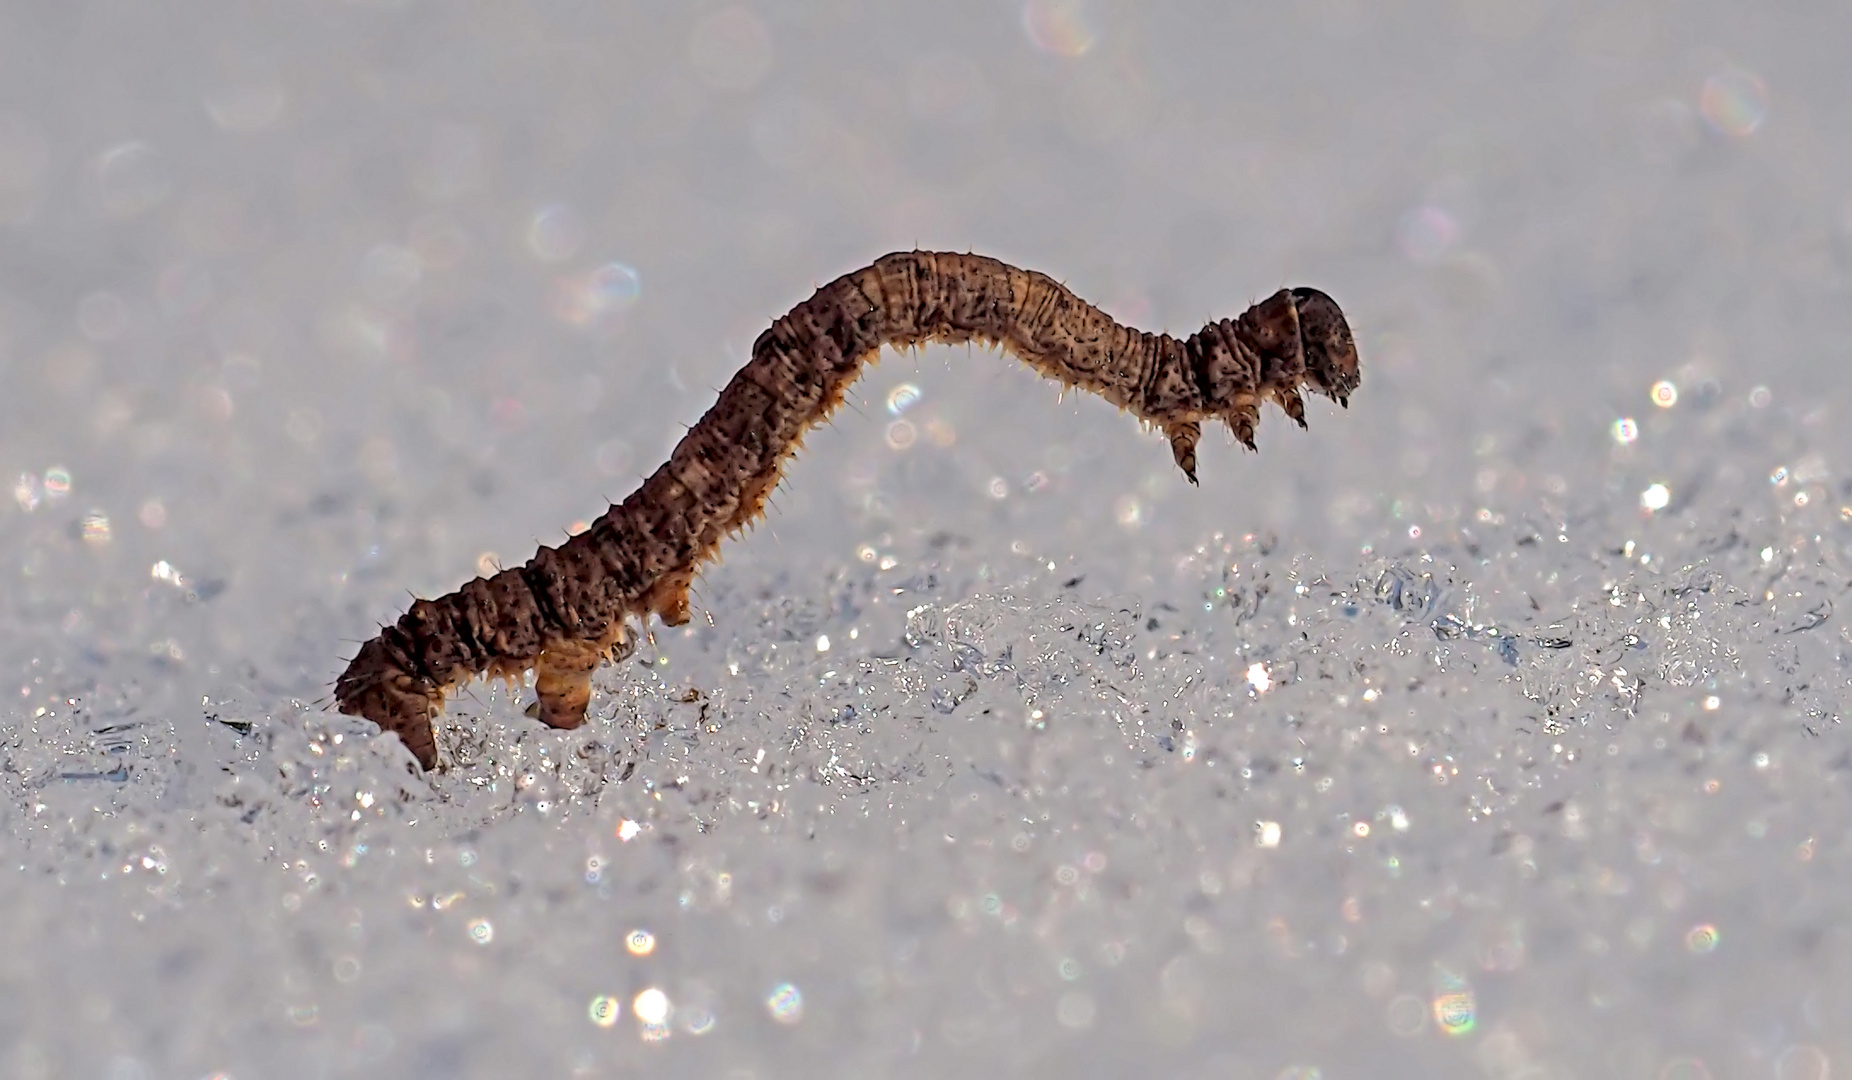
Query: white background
(1489,728)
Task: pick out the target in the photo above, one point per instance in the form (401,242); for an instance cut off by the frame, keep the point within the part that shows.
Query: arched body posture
(576,606)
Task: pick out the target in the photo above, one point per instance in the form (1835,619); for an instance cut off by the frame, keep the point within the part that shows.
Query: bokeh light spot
(1685,1068)
(1455,1012)
(1061,27)
(1734,102)
(1426,233)
(785,1003)
(131,179)
(1076,1010)
(96,528)
(555,233)
(594,299)
(651,1007)
(902,397)
(603,1010)
(1803,1062)
(1702,939)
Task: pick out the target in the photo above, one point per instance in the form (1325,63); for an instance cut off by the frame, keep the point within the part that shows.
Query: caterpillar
(571,608)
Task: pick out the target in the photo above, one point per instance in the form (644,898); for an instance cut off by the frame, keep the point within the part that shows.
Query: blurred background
(304,306)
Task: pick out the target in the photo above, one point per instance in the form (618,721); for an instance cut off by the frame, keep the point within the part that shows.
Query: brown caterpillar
(573,607)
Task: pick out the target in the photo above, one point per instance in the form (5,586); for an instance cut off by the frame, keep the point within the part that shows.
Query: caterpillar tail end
(374,687)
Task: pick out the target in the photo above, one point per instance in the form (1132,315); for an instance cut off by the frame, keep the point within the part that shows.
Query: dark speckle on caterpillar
(576,606)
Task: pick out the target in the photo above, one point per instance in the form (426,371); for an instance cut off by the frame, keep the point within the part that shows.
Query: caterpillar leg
(563,679)
(668,598)
(1242,419)
(563,675)
(1291,403)
(1183,435)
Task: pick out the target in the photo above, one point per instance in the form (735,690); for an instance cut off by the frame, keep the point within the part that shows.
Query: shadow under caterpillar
(583,603)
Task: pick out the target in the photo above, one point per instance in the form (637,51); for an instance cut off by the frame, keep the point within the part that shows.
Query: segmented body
(573,607)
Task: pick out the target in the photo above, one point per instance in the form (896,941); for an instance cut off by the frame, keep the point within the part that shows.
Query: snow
(1492,727)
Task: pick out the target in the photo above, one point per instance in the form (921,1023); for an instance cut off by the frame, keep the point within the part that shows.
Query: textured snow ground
(1490,728)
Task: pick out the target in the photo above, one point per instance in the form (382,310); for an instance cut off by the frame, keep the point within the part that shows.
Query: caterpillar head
(1330,351)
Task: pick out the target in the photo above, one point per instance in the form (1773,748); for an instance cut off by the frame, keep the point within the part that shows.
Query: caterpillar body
(573,607)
